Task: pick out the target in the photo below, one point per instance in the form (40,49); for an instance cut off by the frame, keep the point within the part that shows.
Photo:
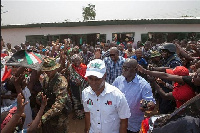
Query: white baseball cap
(96,68)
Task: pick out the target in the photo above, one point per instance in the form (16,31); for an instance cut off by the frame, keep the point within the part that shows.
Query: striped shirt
(113,69)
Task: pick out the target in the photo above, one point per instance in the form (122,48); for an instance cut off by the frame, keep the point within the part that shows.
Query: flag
(26,59)
(5,72)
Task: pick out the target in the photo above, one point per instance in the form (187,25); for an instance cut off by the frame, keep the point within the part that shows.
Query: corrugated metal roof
(109,22)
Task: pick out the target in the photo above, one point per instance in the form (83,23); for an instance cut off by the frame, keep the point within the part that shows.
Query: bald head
(129,69)
(131,62)
(114,49)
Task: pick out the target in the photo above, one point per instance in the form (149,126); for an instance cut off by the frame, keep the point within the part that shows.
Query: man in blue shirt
(136,90)
(113,65)
(139,58)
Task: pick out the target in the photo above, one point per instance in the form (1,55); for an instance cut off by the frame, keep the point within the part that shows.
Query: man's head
(121,47)
(155,56)
(106,46)
(23,46)
(147,45)
(129,47)
(84,49)
(139,44)
(76,60)
(96,74)
(50,66)
(17,47)
(138,53)
(113,44)
(8,45)
(168,49)
(129,69)
(75,50)
(91,49)
(114,54)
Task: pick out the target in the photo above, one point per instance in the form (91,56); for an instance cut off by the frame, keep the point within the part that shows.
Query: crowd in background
(164,58)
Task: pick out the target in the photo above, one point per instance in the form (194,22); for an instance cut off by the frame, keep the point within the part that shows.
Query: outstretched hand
(20,104)
(141,69)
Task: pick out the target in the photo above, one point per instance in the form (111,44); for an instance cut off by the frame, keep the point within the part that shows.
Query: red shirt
(182,93)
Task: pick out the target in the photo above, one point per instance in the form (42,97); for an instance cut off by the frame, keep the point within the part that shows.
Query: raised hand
(20,104)
(141,69)
(44,101)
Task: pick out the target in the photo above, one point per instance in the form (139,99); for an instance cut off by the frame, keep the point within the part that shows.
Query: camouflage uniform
(55,118)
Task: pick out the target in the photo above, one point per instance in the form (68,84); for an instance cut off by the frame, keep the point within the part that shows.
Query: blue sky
(35,11)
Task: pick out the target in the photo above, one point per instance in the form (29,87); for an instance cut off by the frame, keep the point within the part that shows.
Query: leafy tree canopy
(89,12)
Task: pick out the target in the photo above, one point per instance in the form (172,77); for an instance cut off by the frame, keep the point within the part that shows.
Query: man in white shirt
(105,106)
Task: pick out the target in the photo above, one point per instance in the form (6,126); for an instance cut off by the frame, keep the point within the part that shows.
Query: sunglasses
(112,54)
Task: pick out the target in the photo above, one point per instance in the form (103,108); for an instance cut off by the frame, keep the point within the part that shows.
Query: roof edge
(107,22)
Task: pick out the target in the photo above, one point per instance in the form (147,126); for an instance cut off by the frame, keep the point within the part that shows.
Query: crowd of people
(110,85)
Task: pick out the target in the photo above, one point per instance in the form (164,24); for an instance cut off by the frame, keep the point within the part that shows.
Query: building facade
(93,31)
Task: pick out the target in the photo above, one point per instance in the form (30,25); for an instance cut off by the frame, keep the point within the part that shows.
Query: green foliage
(89,12)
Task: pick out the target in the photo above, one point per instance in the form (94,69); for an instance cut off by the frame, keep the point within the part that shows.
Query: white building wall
(18,35)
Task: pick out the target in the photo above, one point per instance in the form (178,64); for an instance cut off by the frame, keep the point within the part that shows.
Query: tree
(89,12)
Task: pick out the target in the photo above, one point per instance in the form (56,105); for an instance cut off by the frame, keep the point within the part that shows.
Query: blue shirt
(135,91)
(113,70)
(142,61)
(172,62)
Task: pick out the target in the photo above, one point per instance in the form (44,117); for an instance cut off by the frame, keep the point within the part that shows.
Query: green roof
(108,22)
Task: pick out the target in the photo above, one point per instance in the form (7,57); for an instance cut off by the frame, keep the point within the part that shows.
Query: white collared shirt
(106,110)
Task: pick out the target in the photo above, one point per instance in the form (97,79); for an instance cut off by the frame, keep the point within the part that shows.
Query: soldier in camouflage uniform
(54,86)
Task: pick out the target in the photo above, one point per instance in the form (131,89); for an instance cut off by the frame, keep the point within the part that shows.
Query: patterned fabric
(146,54)
(123,54)
(77,90)
(56,91)
(142,61)
(86,58)
(106,54)
(56,125)
(172,61)
(113,70)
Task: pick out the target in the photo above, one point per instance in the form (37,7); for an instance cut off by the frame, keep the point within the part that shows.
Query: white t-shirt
(106,110)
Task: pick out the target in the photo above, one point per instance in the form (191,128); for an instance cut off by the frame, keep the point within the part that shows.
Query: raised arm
(9,128)
(183,53)
(161,75)
(160,90)
(36,121)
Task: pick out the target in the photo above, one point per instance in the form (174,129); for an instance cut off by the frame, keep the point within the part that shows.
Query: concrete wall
(18,35)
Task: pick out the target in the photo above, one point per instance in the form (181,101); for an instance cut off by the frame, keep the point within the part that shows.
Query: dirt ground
(76,126)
